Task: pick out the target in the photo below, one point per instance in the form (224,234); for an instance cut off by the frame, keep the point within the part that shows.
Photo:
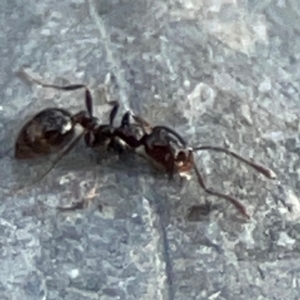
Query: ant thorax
(158,138)
(136,131)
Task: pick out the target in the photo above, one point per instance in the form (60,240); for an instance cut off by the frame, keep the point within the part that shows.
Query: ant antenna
(71,87)
(259,168)
(239,206)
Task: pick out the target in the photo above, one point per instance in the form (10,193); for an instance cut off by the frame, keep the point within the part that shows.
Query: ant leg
(54,163)
(125,120)
(239,206)
(172,170)
(89,101)
(71,87)
(75,206)
(113,112)
(88,139)
(261,169)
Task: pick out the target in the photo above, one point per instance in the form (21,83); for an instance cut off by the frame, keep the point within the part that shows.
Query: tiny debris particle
(265,86)
(73,273)
(214,295)
(187,83)
(245,111)
(285,240)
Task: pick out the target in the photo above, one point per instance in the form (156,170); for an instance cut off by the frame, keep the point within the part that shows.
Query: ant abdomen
(47,132)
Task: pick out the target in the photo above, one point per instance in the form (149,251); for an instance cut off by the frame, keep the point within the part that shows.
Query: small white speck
(265,86)
(187,83)
(163,38)
(64,179)
(285,240)
(245,110)
(107,80)
(67,127)
(1,107)
(185,175)
(214,295)
(73,273)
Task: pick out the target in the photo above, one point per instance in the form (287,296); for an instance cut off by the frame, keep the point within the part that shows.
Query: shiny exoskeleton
(53,129)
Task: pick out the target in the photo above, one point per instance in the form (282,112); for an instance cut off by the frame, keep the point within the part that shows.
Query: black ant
(53,128)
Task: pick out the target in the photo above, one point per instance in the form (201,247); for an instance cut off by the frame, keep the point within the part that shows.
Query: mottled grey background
(223,72)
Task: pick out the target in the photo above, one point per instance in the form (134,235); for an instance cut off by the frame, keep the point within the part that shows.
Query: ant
(53,128)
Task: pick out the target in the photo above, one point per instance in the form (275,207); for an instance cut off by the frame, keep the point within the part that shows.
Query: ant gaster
(53,128)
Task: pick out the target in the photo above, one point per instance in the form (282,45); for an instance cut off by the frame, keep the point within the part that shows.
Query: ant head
(184,161)
(183,155)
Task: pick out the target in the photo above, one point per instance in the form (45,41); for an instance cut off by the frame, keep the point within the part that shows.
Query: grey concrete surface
(222,72)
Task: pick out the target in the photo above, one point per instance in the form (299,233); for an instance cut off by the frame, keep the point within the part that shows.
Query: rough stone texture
(219,72)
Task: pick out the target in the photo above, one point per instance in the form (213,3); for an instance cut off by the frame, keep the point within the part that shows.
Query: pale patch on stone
(66,178)
(245,110)
(187,83)
(247,236)
(214,295)
(73,273)
(285,240)
(199,101)
(108,213)
(239,35)
(265,85)
(275,136)
(293,201)
(46,32)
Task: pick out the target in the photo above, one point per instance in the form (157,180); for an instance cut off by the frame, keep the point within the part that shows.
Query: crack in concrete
(115,63)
